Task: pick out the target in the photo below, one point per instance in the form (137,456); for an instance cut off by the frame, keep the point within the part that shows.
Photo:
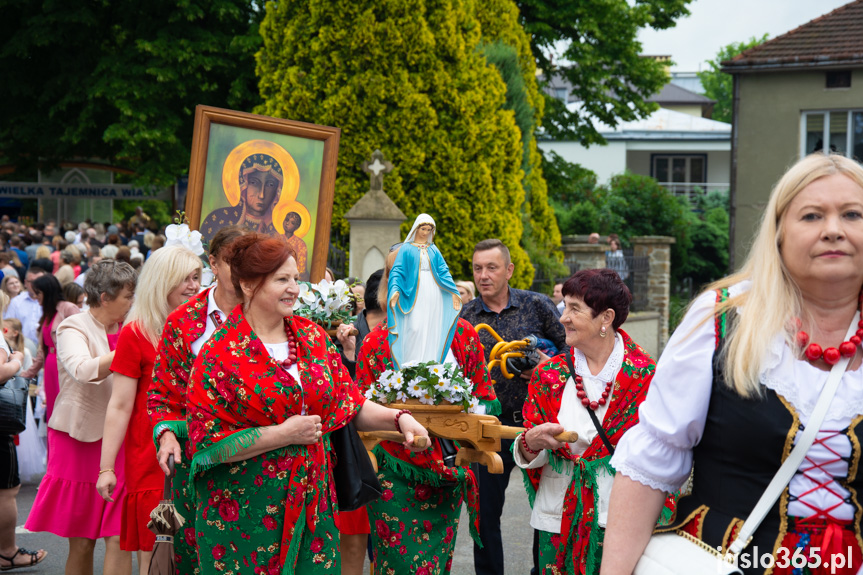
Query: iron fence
(633,271)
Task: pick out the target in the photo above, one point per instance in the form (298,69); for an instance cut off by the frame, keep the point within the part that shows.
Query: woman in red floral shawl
(599,381)
(414,524)
(264,394)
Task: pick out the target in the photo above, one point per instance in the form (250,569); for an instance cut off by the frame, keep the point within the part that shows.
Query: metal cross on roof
(377,167)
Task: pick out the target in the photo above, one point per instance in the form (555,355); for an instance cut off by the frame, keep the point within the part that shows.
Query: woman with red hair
(265,392)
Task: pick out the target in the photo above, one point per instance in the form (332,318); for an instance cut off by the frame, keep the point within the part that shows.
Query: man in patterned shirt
(514,314)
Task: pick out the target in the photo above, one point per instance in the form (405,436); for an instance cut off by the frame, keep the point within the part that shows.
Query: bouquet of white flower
(326,303)
(431,383)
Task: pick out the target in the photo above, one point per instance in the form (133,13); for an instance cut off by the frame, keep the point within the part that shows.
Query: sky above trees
(713,24)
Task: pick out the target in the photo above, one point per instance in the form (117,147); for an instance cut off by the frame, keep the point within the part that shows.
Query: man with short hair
(26,308)
(514,314)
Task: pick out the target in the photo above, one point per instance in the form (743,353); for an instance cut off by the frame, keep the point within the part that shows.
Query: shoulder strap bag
(356,481)
(596,423)
(13,406)
(679,553)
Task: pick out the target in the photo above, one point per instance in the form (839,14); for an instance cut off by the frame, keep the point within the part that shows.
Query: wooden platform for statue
(479,435)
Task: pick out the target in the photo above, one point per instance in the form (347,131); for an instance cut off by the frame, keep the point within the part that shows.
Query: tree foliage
(119,81)
(510,52)
(601,58)
(709,224)
(408,77)
(717,84)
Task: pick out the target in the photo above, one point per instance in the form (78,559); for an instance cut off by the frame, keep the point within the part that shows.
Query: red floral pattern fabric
(236,388)
(579,543)
(166,406)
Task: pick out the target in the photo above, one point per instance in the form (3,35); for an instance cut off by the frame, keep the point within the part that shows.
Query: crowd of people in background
(244,395)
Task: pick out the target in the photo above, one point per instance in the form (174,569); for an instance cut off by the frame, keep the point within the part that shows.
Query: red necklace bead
(831,355)
(582,395)
(292,349)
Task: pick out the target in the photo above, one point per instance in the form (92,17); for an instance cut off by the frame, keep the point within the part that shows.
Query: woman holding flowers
(186,330)
(417,518)
(264,394)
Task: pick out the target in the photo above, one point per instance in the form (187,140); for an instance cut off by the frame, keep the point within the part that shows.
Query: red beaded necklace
(582,395)
(292,349)
(831,355)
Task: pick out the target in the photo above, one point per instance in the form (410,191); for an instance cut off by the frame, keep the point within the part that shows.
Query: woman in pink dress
(67,503)
(54,311)
(168,279)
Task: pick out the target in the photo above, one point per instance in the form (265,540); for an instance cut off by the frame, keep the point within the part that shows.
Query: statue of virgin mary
(424,302)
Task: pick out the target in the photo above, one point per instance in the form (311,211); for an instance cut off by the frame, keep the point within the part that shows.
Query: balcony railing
(688,191)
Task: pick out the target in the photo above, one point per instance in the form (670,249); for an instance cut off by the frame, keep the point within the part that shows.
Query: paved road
(517,536)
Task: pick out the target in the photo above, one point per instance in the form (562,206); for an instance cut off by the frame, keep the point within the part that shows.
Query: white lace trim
(637,475)
(612,364)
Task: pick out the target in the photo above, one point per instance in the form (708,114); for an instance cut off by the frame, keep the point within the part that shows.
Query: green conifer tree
(405,76)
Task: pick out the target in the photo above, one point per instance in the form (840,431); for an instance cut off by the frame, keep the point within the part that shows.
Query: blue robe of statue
(423,321)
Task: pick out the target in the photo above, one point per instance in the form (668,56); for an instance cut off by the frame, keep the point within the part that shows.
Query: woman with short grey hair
(67,503)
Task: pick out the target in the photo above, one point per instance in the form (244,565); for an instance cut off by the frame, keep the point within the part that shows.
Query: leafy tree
(118,80)
(408,77)
(717,84)
(510,53)
(568,183)
(601,58)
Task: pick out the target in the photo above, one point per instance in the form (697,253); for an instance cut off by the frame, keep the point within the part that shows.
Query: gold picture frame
(272,175)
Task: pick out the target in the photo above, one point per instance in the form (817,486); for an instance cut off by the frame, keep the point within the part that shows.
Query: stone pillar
(375,221)
(582,256)
(657,250)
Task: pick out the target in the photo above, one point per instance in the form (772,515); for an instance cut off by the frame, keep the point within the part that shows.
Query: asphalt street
(517,537)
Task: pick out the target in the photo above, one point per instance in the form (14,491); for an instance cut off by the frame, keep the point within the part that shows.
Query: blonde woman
(774,329)
(167,280)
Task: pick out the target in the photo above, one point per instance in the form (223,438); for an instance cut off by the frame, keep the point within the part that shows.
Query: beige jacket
(83,399)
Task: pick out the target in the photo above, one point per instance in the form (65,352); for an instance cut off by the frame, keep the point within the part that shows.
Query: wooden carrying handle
(510,432)
(420,441)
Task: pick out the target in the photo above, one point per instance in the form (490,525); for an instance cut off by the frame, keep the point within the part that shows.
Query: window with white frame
(679,169)
(832,131)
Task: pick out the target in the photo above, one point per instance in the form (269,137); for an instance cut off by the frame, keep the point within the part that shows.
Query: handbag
(679,553)
(13,406)
(356,481)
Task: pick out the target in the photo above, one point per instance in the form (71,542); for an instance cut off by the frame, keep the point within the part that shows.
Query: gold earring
(602,332)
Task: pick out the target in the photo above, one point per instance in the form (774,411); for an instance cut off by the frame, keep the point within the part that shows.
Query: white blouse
(547,514)
(658,451)
(279,352)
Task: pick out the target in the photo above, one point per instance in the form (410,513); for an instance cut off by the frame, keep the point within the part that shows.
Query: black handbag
(13,406)
(356,481)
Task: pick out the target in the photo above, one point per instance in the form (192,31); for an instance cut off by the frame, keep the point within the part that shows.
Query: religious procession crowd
(143,370)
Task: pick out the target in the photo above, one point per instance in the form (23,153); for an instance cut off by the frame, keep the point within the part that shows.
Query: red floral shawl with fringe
(236,388)
(580,538)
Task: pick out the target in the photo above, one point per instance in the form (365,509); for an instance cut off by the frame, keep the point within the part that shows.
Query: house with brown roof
(678,144)
(794,95)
